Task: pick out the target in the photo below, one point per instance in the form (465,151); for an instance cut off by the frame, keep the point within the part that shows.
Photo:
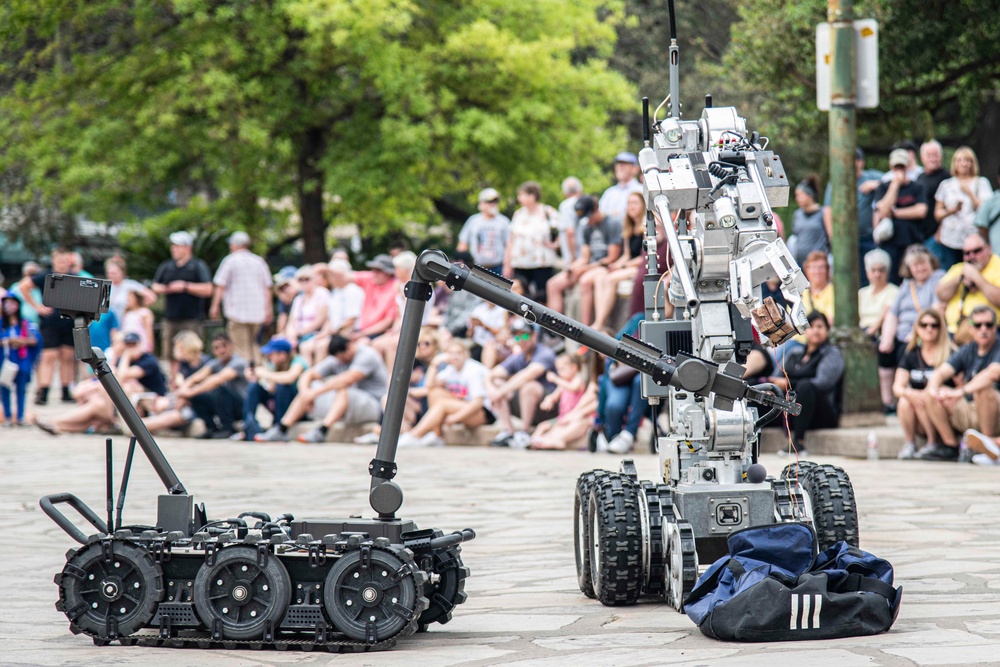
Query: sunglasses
(304,279)
(491,201)
(983,325)
(974,251)
(929,325)
(522,336)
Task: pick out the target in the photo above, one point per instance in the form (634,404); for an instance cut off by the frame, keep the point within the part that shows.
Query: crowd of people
(929,303)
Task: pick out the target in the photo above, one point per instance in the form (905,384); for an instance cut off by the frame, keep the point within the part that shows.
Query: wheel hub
(370,595)
(111,589)
(240,594)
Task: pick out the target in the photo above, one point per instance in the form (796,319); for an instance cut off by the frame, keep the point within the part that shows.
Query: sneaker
(520,440)
(936,452)
(366,439)
(982,443)
(432,439)
(621,443)
(67,397)
(908,451)
(313,435)
(238,435)
(46,426)
(964,454)
(984,460)
(601,443)
(789,453)
(502,439)
(407,441)
(273,434)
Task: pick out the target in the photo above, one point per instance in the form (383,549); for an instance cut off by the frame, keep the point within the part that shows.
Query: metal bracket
(320,637)
(108,550)
(217,629)
(111,626)
(269,631)
(371,633)
(262,554)
(165,626)
(365,561)
(317,555)
(210,549)
(382,469)
(417,290)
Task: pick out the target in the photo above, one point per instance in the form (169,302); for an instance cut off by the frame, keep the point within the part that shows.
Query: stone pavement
(934,522)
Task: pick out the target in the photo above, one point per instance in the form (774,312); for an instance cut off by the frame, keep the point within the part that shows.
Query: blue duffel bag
(771,588)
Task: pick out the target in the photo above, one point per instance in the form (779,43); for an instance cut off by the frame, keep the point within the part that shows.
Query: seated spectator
(347,386)
(518,384)
(380,308)
(274,386)
(570,424)
(928,349)
(815,372)
(484,235)
(216,391)
(138,319)
(818,298)
(459,305)
(309,309)
(486,326)
(601,246)
(976,405)
(286,289)
(458,396)
(968,284)
(21,344)
(620,405)
(874,301)
(170,412)
(386,344)
(625,268)
(956,201)
(921,275)
(903,202)
(344,308)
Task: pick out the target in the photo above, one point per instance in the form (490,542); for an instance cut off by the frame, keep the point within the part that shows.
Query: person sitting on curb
(519,383)
(347,386)
(273,386)
(976,405)
(216,391)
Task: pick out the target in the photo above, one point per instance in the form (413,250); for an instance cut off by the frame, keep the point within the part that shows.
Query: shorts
(488,417)
(963,416)
(362,407)
(57,334)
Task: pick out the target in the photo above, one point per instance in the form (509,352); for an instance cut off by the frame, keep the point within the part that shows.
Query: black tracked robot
(339,584)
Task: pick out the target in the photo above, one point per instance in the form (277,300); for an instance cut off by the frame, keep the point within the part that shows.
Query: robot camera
(76,296)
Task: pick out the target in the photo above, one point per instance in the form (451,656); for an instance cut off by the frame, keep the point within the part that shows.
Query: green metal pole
(861,389)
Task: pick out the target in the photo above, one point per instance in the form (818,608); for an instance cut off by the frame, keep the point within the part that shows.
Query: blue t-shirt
(516,363)
(26,328)
(100,330)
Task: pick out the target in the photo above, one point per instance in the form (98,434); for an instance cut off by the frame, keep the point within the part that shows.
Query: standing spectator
(57,332)
(929,348)
(286,289)
(874,301)
(968,284)
(627,266)
(601,246)
(868,181)
(121,285)
(572,188)
(921,275)
(519,383)
(932,157)
(309,309)
(28,312)
(976,405)
(530,255)
(274,386)
(186,284)
(217,390)
(21,341)
(243,288)
(484,234)
(809,225)
(903,202)
(614,201)
(988,216)
(380,308)
(957,200)
(138,319)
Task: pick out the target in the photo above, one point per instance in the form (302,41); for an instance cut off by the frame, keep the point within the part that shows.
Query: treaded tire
(449,590)
(581,530)
(835,512)
(616,540)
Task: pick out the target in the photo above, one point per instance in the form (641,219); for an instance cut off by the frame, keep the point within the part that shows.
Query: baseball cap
(276,344)
(488,194)
(241,239)
(181,238)
(521,325)
(285,274)
(382,263)
(585,206)
(899,157)
(859,154)
(625,156)
(131,338)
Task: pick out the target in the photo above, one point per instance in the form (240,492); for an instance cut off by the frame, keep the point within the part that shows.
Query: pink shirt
(380,300)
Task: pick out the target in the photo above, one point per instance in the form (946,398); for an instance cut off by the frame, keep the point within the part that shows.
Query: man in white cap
(243,288)
(902,201)
(615,199)
(185,283)
(484,235)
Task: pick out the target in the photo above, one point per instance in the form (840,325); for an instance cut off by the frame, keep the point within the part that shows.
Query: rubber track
(581,506)
(619,541)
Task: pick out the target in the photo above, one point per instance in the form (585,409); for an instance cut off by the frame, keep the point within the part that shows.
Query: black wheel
(835,513)
(581,530)
(241,594)
(109,590)
(371,595)
(615,540)
(682,562)
(446,588)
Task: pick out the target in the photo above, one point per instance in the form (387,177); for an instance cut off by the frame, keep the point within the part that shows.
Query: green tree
(376,113)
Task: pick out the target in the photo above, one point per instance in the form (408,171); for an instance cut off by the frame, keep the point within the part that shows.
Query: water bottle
(872,446)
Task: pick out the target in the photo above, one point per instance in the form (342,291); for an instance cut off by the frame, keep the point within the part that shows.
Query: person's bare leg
(907,418)
(938,415)
(165,420)
(47,366)
(605,292)
(431,421)
(338,409)
(528,397)
(885,378)
(489,355)
(67,366)
(554,289)
(587,282)
(987,404)
(501,409)
(82,417)
(918,402)
(299,408)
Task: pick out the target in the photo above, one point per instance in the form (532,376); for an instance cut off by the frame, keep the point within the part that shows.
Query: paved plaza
(937,524)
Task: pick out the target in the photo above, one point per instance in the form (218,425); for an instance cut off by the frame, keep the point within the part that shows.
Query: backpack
(770,588)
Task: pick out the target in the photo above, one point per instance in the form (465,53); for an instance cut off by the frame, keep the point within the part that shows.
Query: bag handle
(857,583)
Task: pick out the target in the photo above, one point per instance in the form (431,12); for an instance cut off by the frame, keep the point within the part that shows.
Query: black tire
(449,590)
(616,540)
(835,512)
(581,530)
(117,590)
(241,594)
(372,595)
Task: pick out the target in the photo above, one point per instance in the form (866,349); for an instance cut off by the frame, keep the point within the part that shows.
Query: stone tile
(943,655)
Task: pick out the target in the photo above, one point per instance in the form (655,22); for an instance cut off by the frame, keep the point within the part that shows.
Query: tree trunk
(310,189)
(983,141)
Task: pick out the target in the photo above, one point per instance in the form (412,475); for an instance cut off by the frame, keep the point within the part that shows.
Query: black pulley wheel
(581,530)
(615,540)
(241,594)
(110,590)
(371,595)
(446,588)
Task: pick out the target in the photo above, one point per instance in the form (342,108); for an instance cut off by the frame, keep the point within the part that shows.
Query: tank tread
(204,640)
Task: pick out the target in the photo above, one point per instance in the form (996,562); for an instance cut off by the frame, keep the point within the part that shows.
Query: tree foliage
(191,112)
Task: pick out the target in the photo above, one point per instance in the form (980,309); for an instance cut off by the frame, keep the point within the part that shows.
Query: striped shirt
(247,281)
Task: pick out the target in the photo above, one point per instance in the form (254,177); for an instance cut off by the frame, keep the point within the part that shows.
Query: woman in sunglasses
(929,347)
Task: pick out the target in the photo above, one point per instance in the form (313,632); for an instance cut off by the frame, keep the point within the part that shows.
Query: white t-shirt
(957,226)
(345,302)
(528,236)
(490,315)
(468,383)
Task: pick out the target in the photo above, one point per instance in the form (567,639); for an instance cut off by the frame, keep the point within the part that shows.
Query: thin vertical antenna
(125,475)
(111,490)
(674,52)
(645,121)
